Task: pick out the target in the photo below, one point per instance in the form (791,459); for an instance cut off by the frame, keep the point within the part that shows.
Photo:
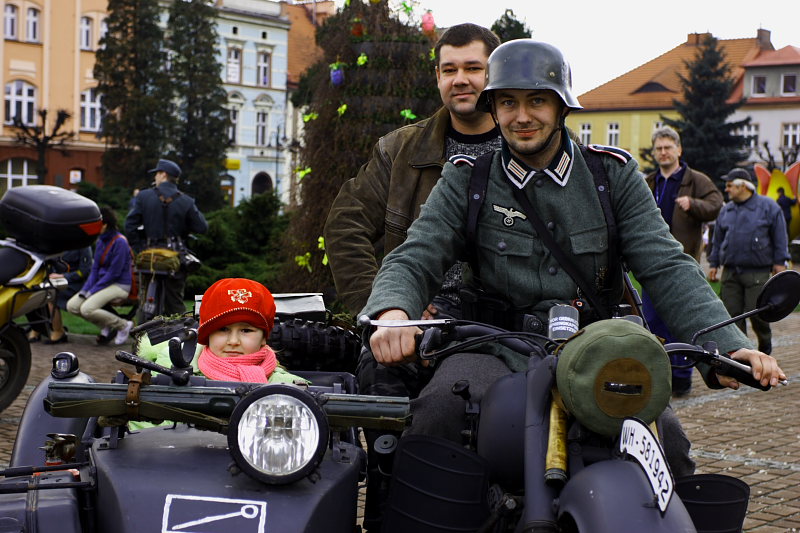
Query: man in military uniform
(168,217)
(529,95)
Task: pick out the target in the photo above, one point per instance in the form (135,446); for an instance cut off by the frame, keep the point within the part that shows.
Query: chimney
(695,39)
(763,38)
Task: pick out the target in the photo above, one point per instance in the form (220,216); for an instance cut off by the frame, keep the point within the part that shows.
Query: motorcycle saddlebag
(50,219)
(40,510)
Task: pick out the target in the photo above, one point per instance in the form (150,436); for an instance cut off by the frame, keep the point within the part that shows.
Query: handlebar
(466,334)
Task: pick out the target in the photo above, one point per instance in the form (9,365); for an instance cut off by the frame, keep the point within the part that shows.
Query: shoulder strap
(478,182)
(565,262)
(108,248)
(603,188)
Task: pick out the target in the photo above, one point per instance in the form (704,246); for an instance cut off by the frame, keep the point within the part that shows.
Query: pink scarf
(251,368)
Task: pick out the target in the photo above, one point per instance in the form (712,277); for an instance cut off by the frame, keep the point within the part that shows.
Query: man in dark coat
(167,217)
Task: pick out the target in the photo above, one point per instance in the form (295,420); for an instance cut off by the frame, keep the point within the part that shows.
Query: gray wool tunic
(516,264)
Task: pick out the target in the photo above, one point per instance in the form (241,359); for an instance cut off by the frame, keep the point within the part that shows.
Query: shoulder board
(462,159)
(619,153)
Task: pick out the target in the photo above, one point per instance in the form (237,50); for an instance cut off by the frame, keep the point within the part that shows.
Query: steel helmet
(528,64)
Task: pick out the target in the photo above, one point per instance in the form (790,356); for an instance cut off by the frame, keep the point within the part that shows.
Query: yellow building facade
(47,55)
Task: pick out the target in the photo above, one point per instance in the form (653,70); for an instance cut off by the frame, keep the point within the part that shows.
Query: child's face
(239,338)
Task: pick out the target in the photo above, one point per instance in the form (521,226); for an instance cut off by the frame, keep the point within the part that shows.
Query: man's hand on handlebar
(765,368)
(394,346)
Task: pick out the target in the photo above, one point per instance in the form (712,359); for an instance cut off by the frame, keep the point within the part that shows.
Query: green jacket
(381,202)
(515,264)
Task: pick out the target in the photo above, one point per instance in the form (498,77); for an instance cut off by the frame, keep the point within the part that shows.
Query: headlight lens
(278,434)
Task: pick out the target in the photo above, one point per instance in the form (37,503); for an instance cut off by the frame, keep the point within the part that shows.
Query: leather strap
(566,263)
(478,183)
(132,400)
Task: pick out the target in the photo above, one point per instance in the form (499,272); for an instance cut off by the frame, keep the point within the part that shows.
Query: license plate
(640,443)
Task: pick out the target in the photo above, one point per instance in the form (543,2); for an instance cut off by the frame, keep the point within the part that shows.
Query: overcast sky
(603,40)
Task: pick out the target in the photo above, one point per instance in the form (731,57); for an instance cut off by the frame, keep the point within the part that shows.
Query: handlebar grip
(740,375)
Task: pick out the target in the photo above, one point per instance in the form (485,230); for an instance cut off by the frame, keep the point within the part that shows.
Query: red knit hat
(232,300)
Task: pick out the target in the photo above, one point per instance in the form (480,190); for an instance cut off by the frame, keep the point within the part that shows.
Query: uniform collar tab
(559,168)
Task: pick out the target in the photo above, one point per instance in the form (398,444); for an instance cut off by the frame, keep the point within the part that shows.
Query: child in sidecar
(236,318)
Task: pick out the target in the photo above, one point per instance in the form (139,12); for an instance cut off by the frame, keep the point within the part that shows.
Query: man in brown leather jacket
(686,198)
(382,201)
(370,216)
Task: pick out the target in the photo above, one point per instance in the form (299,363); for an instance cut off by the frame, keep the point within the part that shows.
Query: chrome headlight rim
(271,390)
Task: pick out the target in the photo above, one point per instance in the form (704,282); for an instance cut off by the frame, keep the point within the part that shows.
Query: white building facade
(253,49)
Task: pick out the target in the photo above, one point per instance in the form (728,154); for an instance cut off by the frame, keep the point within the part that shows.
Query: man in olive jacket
(529,94)
(382,201)
(686,197)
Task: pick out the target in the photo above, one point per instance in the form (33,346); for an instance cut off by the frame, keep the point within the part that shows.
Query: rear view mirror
(780,296)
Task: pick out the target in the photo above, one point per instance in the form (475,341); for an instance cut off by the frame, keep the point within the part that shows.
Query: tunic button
(501,246)
(551,226)
(539,182)
(552,270)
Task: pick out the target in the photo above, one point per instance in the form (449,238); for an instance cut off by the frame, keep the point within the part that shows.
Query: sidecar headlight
(278,434)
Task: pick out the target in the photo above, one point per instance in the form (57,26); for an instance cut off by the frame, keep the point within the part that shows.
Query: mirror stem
(729,321)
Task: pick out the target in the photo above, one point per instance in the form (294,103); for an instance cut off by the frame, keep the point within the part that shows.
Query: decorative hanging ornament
(428,25)
(337,73)
(357,28)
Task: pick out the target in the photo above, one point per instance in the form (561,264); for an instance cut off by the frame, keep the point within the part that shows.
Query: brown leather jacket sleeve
(706,200)
(355,222)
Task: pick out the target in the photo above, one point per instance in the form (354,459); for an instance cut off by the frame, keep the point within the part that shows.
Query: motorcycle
(570,444)
(236,457)
(42,223)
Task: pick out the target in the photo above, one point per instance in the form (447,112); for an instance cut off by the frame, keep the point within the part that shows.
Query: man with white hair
(750,244)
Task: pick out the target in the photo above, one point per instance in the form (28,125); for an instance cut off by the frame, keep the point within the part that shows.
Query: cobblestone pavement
(749,434)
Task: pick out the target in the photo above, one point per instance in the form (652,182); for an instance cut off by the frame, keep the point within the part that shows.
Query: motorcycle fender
(36,423)
(614,496)
(176,480)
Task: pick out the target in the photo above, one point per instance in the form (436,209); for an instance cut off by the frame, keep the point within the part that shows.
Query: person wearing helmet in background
(529,95)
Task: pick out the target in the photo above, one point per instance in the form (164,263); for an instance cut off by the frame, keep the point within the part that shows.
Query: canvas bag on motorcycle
(610,370)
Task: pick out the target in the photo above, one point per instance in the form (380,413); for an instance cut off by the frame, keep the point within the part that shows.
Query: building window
(750,134)
(10,26)
(234,116)
(586,134)
(17,172)
(262,127)
(789,84)
(234,65)
(86,33)
(91,110)
(613,134)
(791,134)
(759,85)
(103,32)
(32,22)
(263,69)
(20,102)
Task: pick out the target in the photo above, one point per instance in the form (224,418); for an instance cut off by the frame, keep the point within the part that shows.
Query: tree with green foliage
(38,138)
(710,143)
(376,75)
(242,241)
(199,134)
(134,86)
(508,27)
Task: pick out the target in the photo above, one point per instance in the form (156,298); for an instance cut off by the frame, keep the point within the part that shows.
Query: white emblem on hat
(240,295)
